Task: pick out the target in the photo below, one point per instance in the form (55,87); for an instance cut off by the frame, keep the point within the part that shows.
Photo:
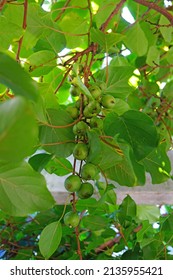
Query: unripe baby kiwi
(80,151)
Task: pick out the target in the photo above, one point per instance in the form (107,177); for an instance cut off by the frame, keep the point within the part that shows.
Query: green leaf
(50,239)
(134,127)
(9,33)
(153,248)
(168,90)
(167,228)
(53,80)
(39,161)
(59,141)
(110,155)
(14,77)
(89,204)
(18,130)
(49,98)
(73,29)
(14,14)
(169,55)
(95,147)
(49,41)
(22,190)
(106,41)
(127,172)
(148,212)
(40,63)
(153,57)
(105,9)
(165,31)
(157,163)
(136,40)
(38,24)
(121,106)
(94,222)
(127,209)
(146,230)
(59,166)
(117,84)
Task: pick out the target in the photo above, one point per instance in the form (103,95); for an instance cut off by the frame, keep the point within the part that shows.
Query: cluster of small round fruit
(91,117)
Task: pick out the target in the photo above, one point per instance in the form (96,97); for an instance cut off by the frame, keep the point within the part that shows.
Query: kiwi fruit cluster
(91,115)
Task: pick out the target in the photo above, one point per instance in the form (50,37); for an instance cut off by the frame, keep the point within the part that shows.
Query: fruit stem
(79,252)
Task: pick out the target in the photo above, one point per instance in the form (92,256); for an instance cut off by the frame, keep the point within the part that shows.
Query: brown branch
(25,4)
(2,3)
(108,244)
(63,80)
(157,8)
(62,126)
(63,10)
(114,12)
(158,25)
(91,48)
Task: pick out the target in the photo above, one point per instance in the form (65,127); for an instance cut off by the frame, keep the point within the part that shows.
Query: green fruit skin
(72,183)
(96,122)
(80,128)
(74,91)
(95,92)
(86,190)
(71,219)
(92,109)
(89,171)
(73,111)
(80,151)
(108,101)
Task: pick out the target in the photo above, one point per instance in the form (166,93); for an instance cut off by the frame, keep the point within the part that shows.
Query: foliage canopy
(77,79)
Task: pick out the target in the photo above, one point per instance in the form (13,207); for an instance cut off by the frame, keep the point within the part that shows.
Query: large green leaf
(127,209)
(18,130)
(148,212)
(40,63)
(117,84)
(14,77)
(9,33)
(165,31)
(50,239)
(75,30)
(105,9)
(37,20)
(136,40)
(22,190)
(106,41)
(94,222)
(147,229)
(49,41)
(39,161)
(59,166)
(41,25)
(14,13)
(167,228)
(59,141)
(53,80)
(153,56)
(158,164)
(127,172)
(134,127)
(95,147)
(110,155)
